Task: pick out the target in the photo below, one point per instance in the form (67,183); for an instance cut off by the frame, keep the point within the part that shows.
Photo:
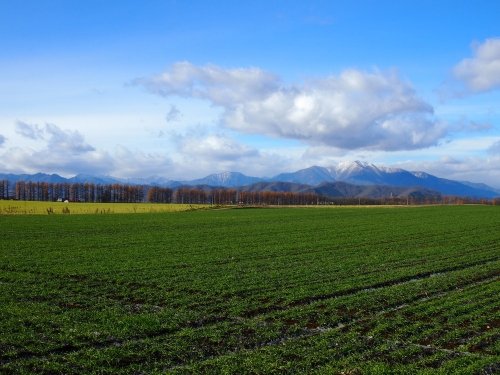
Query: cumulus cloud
(2,140)
(67,152)
(59,150)
(481,72)
(355,110)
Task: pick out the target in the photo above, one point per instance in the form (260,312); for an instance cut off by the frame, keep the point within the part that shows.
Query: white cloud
(58,151)
(50,160)
(322,155)
(215,147)
(355,110)
(120,163)
(200,153)
(2,140)
(127,163)
(221,86)
(481,72)
(66,152)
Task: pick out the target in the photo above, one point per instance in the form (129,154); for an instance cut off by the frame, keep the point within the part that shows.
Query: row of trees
(78,192)
(119,193)
(233,196)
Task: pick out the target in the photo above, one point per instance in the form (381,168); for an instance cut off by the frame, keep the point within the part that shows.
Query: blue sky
(181,89)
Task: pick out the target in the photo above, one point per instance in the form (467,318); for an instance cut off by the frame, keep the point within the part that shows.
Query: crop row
(221,338)
(252,290)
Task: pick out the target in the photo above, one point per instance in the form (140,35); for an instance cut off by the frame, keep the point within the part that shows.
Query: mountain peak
(346,168)
(350,166)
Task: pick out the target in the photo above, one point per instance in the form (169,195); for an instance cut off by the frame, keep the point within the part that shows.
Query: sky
(182,89)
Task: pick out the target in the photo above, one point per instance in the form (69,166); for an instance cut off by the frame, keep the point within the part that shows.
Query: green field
(252,291)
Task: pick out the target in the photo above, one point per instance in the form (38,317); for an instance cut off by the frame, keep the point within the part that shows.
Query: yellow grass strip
(12,207)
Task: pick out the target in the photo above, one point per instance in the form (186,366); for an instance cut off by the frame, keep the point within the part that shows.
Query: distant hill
(311,176)
(346,190)
(102,180)
(226,179)
(276,186)
(38,177)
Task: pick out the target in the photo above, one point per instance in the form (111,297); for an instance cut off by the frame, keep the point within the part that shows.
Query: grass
(289,290)
(11,207)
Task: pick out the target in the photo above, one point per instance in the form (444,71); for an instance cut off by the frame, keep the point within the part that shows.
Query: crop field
(252,291)
(11,207)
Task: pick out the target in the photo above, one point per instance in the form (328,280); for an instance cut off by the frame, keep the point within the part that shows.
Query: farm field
(12,207)
(252,291)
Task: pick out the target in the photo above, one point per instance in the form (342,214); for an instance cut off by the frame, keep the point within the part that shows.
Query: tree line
(234,196)
(77,192)
(124,193)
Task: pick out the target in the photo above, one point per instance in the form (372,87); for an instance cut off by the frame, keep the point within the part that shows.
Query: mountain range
(365,177)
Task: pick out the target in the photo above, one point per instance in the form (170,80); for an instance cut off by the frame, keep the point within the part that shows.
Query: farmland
(14,207)
(289,290)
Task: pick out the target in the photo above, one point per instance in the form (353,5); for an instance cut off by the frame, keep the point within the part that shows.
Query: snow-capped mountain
(361,173)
